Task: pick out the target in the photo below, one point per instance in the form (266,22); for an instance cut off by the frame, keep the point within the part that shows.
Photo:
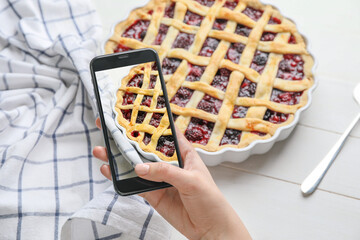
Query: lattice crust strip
(235,71)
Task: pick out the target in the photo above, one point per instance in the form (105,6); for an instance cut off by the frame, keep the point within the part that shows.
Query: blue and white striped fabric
(50,185)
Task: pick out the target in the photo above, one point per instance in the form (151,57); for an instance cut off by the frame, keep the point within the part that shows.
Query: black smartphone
(135,115)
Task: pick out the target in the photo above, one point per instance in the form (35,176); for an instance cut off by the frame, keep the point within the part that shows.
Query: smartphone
(122,81)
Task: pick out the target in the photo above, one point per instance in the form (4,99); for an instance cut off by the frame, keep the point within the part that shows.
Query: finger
(105,170)
(98,123)
(100,153)
(164,172)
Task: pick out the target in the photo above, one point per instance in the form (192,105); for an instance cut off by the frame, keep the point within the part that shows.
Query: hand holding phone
(195,206)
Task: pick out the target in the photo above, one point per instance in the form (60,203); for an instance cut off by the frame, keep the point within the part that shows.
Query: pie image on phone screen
(141,111)
(135,116)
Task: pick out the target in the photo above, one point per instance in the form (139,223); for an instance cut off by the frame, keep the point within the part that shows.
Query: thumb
(164,172)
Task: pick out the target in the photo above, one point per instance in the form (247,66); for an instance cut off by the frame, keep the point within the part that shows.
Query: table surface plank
(265,189)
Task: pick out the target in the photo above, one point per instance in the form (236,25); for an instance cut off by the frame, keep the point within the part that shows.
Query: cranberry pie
(235,72)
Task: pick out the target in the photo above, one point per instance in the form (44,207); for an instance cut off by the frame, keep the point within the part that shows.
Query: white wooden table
(265,189)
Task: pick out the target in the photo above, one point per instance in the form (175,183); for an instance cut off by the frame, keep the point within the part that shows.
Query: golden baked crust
(266,80)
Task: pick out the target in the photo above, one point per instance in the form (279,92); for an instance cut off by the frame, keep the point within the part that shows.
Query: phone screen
(136,113)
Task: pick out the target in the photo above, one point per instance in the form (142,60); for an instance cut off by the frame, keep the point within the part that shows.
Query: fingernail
(142,169)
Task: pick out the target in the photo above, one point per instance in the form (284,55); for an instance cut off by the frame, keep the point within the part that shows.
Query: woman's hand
(194,206)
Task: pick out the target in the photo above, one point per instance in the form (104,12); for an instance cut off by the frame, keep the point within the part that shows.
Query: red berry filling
(169,11)
(155,120)
(166,145)
(161,34)
(152,81)
(147,138)
(288,98)
(195,73)
(169,65)
(182,96)
(136,81)
(207,3)
(183,40)
(268,36)
(275,117)
(160,102)
(221,79)
(146,101)
(137,30)
(231,4)
(261,134)
(292,40)
(210,104)
(154,67)
(252,13)
(135,134)
(209,47)
(231,136)
(129,98)
(193,19)
(291,67)
(199,131)
(239,111)
(235,51)
(219,24)
(259,61)
(150,12)
(247,89)
(121,48)
(140,117)
(242,30)
(274,20)
(126,114)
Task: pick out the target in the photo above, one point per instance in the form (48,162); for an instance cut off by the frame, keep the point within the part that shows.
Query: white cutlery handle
(312,181)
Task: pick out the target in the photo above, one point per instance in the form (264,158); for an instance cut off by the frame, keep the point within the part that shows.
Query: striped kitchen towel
(50,184)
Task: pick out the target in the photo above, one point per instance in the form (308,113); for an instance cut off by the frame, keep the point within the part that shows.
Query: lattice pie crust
(235,71)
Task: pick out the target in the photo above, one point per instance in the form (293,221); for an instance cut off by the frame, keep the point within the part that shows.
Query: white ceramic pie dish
(235,155)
